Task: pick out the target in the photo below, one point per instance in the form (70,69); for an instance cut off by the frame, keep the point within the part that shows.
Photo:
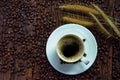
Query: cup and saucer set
(71,49)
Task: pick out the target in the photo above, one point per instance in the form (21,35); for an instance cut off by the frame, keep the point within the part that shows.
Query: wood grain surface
(25,26)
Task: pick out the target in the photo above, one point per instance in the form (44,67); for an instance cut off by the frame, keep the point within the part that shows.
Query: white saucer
(90,49)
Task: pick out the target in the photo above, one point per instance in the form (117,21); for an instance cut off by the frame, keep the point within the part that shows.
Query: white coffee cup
(70,49)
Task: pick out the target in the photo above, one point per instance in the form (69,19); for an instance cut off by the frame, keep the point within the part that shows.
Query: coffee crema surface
(70,48)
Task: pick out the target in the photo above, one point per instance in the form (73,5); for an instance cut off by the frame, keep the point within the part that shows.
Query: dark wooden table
(25,26)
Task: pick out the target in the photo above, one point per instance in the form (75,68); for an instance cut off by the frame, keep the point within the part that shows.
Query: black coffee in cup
(70,49)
